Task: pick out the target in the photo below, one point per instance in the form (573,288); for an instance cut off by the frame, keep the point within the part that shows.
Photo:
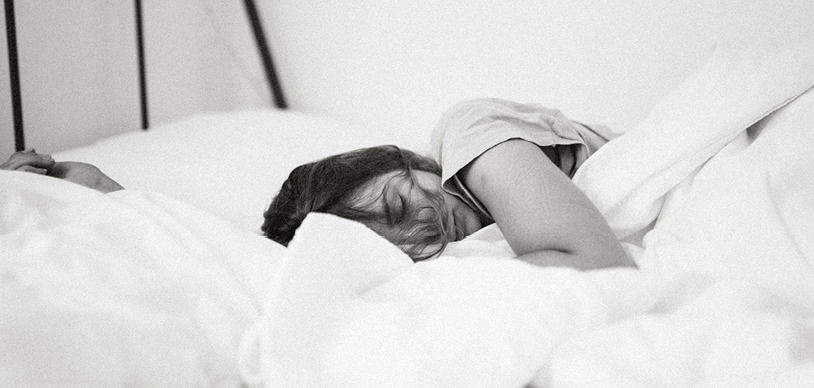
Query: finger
(40,171)
(41,161)
(18,159)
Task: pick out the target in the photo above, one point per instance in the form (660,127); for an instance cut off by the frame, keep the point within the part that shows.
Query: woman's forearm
(545,218)
(84,174)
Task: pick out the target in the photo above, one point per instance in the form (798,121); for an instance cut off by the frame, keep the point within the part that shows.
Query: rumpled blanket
(126,289)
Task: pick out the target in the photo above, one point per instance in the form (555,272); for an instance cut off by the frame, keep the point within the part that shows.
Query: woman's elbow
(581,260)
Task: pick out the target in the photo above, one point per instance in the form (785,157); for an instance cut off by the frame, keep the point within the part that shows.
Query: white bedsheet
(126,289)
(724,296)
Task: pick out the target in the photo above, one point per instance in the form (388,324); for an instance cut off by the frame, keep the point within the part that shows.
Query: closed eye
(394,210)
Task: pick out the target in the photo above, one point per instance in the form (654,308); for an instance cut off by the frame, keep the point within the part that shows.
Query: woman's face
(462,218)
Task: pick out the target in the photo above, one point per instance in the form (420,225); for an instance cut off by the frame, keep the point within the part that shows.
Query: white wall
(398,64)
(201,58)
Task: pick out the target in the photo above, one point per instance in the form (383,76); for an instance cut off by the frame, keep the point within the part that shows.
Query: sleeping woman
(500,162)
(503,163)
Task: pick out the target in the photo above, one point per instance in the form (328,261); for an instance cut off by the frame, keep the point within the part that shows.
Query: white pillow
(230,164)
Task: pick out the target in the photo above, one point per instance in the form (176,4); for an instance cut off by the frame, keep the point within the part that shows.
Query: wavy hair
(342,184)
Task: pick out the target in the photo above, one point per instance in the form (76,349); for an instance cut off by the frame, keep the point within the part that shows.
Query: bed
(169,283)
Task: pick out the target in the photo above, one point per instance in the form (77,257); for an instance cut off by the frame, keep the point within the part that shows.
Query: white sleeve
(468,129)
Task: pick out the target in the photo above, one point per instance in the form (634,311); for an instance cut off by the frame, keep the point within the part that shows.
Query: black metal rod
(142,71)
(14,77)
(265,54)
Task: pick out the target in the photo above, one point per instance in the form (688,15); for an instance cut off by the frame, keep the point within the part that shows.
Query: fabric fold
(741,83)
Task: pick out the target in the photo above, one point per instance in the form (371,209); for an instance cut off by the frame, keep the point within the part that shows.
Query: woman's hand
(84,174)
(80,173)
(28,161)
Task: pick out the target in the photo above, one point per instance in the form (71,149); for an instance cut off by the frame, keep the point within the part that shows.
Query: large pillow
(230,164)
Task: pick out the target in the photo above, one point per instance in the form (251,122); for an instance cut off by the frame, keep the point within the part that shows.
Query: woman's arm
(545,218)
(84,174)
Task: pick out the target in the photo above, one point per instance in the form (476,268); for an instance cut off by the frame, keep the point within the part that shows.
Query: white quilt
(726,201)
(724,296)
(126,289)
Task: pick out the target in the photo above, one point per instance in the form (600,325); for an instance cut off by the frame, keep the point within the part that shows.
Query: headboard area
(253,19)
(74,73)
